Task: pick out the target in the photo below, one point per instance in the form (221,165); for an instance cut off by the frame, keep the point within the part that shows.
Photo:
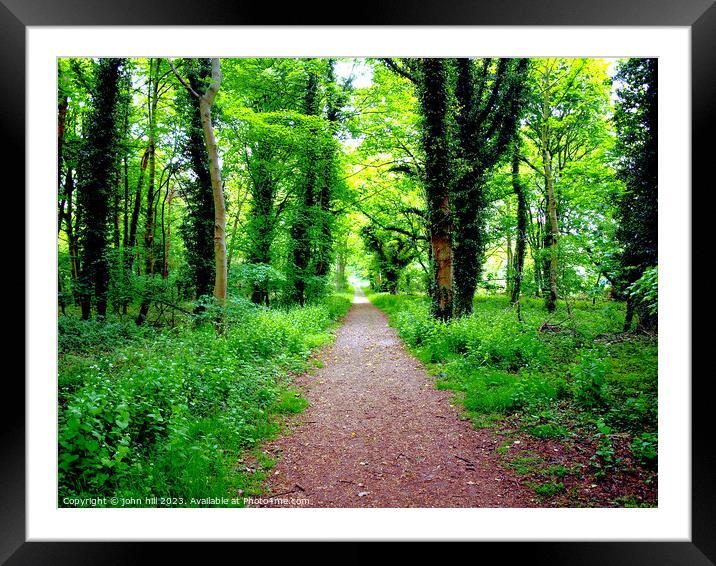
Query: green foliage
(482,339)
(392,253)
(588,384)
(548,430)
(326,182)
(645,290)
(604,459)
(635,118)
(169,412)
(248,276)
(76,336)
(549,489)
(645,448)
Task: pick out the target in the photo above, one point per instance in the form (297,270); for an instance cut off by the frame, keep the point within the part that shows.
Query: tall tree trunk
(305,218)
(552,238)
(325,243)
(61,120)
(205,103)
(521,244)
(152,104)
(434,100)
(166,235)
(72,244)
(116,213)
(509,264)
(126,199)
(262,221)
(96,188)
(130,240)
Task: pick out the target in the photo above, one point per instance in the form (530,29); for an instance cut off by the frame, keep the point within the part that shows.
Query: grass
(147,412)
(586,379)
(549,489)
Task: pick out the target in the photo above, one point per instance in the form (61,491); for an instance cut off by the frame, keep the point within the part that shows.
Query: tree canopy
(450,176)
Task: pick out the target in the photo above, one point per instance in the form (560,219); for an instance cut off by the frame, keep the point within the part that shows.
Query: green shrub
(645,448)
(535,390)
(634,413)
(75,335)
(645,290)
(588,384)
(169,412)
(604,459)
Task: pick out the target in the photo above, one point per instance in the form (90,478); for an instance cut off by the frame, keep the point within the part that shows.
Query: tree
(154,77)
(197,230)
(522,219)
(636,122)
(565,124)
(311,227)
(336,99)
(72,88)
(489,98)
(303,220)
(469,112)
(95,186)
(432,77)
(206,100)
(392,253)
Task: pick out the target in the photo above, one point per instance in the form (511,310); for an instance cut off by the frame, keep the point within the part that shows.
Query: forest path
(378,434)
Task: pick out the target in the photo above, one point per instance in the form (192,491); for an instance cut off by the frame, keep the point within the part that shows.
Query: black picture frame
(699,15)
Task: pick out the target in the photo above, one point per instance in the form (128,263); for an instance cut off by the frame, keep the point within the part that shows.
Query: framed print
(167,43)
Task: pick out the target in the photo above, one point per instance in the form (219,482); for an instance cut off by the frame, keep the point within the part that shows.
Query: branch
(397,229)
(523,159)
(182,81)
(402,71)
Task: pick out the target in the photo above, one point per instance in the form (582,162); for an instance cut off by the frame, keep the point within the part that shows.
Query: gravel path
(378,434)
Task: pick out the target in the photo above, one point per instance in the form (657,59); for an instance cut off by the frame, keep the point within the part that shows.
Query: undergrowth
(169,413)
(584,375)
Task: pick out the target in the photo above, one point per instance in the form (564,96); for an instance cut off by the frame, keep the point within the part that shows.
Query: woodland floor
(378,434)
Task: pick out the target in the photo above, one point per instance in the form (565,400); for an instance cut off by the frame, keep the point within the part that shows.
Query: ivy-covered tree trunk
(300,234)
(261,222)
(95,187)
(522,219)
(468,244)
(637,144)
(489,99)
(72,244)
(304,217)
(434,93)
(552,234)
(329,178)
(197,229)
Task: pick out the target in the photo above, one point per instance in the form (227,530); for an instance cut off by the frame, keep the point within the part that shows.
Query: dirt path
(378,434)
